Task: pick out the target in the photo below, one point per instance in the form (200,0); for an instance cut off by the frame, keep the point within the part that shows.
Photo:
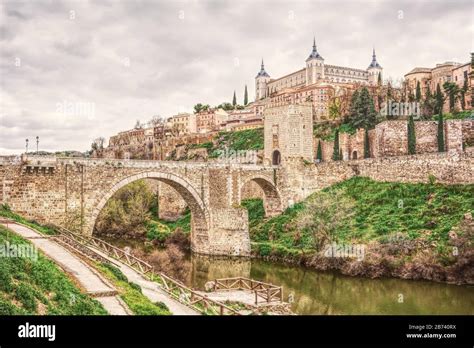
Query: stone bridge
(72,192)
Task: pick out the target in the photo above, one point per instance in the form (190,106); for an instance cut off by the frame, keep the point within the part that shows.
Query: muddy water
(317,292)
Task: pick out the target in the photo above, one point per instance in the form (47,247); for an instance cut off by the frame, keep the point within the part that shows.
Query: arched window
(276,158)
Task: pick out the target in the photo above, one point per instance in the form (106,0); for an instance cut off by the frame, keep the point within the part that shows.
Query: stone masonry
(71,193)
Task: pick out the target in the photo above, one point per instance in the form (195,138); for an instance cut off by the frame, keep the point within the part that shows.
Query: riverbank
(371,229)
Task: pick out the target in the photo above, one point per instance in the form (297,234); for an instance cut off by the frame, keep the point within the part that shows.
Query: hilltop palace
(316,82)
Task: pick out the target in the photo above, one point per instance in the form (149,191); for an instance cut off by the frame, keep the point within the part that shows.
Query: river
(316,292)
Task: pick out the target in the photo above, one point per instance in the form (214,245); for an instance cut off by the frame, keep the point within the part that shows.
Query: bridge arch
(199,213)
(272,198)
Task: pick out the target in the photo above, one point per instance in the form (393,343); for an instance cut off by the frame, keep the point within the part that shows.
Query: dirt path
(86,276)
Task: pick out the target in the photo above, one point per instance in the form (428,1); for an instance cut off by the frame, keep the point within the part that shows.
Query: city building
(441,73)
(317,82)
(210,120)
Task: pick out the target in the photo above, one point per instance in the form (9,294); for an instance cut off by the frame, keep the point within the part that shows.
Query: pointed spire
(314,52)
(262,71)
(374,63)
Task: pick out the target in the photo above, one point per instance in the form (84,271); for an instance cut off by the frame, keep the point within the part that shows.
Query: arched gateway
(199,214)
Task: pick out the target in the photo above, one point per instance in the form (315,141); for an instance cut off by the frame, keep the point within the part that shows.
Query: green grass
(183,222)
(6,212)
(381,210)
(249,139)
(131,293)
(29,286)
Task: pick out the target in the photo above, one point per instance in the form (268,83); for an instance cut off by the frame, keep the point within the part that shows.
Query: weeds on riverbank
(29,286)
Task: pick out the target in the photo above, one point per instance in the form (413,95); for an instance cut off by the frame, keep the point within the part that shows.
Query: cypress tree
(234,100)
(379,79)
(471,74)
(418,91)
(319,153)
(439,100)
(441,147)
(246,96)
(366,144)
(335,155)
(411,136)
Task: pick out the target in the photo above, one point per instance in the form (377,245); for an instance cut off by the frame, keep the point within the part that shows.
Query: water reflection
(329,292)
(332,293)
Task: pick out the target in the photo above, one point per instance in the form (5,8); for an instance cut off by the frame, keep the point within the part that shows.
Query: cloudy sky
(71,71)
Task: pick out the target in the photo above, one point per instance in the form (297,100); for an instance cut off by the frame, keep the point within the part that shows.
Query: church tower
(314,66)
(374,70)
(261,81)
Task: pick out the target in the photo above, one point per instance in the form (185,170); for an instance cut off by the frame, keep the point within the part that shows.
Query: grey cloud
(181,53)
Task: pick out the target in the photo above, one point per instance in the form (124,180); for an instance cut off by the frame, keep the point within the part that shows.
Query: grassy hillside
(29,286)
(249,139)
(363,211)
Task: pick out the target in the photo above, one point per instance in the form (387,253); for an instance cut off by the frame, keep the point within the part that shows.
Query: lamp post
(37,142)
(26,140)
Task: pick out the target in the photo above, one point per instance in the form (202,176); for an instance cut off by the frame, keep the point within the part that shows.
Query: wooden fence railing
(264,292)
(173,287)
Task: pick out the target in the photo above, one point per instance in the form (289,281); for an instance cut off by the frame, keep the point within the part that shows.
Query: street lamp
(26,145)
(37,142)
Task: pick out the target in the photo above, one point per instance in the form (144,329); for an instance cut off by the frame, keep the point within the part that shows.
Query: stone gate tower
(288,132)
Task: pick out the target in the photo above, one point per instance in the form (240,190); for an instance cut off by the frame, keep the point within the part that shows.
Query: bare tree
(156,121)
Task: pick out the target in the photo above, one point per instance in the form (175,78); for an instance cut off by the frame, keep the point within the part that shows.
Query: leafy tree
(453,92)
(463,95)
(335,108)
(366,144)
(411,136)
(429,105)
(127,211)
(354,101)
(439,100)
(389,91)
(319,153)
(201,107)
(246,96)
(363,113)
(234,100)
(418,91)
(226,106)
(336,154)
(325,214)
(441,147)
